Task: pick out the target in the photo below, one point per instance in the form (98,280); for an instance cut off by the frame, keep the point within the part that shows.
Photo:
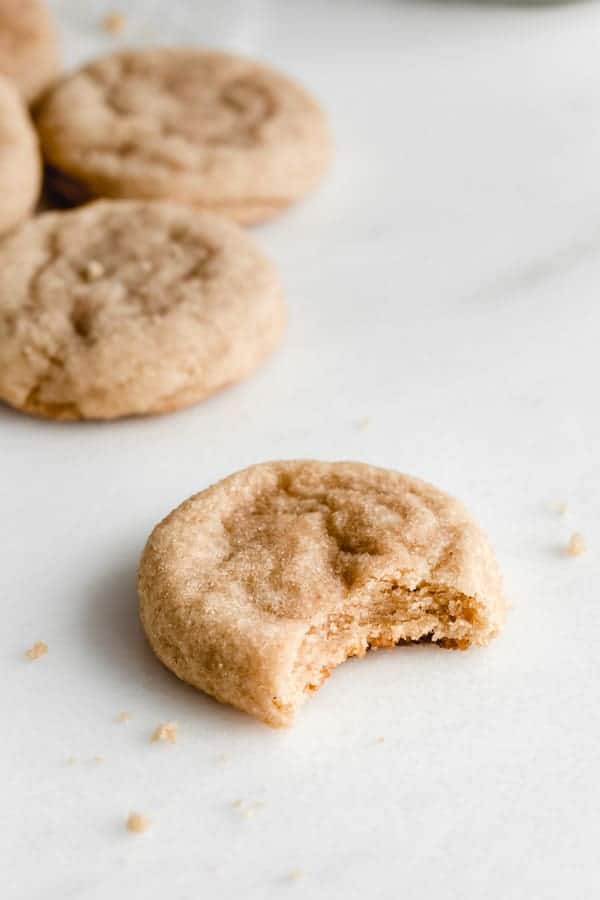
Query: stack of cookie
(149,297)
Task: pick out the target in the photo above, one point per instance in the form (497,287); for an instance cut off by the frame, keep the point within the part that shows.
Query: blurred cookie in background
(28,46)
(129,308)
(20,161)
(200,127)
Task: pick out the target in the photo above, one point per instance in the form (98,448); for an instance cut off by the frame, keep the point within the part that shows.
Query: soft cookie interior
(385,614)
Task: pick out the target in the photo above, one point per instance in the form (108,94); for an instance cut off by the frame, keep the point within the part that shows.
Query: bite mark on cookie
(256,589)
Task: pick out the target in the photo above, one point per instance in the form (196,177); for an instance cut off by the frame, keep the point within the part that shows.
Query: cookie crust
(254,589)
(20,163)
(128,308)
(28,46)
(200,127)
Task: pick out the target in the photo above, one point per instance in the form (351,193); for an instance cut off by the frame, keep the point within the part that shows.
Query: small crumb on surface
(576,545)
(123,716)
(114,22)
(223,759)
(137,823)
(38,649)
(166,732)
(380,740)
(364,423)
(248,810)
(296,875)
(94,270)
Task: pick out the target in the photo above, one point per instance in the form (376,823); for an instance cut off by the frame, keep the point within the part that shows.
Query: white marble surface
(444,283)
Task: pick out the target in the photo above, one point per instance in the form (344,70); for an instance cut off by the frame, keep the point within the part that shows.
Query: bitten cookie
(20,163)
(28,46)
(123,308)
(254,589)
(204,128)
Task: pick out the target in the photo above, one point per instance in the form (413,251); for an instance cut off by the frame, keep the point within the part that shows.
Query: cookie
(122,308)
(20,164)
(204,128)
(254,589)
(28,46)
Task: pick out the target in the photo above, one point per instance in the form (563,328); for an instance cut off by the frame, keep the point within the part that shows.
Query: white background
(444,283)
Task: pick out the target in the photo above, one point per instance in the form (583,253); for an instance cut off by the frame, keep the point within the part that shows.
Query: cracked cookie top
(254,589)
(201,127)
(20,164)
(297,538)
(28,46)
(128,308)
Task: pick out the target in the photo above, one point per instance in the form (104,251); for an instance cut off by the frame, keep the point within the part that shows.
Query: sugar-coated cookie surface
(201,127)
(254,589)
(20,162)
(123,308)
(28,46)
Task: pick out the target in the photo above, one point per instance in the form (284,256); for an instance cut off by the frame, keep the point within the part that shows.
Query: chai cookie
(20,163)
(254,589)
(28,46)
(200,127)
(123,308)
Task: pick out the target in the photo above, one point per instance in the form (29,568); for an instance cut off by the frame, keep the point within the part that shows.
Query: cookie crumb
(251,810)
(40,648)
(363,424)
(248,810)
(380,740)
(114,22)
(94,270)
(123,716)
(223,759)
(166,732)
(577,545)
(296,875)
(137,823)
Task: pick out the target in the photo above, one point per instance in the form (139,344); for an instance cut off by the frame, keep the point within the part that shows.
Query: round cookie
(28,46)
(254,589)
(123,308)
(204,128)
(20,163)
